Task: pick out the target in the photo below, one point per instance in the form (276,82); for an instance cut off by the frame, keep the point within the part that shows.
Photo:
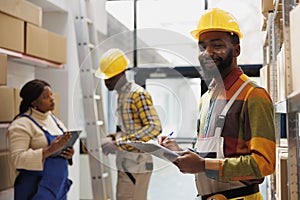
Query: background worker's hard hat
(112,63)
(216,19)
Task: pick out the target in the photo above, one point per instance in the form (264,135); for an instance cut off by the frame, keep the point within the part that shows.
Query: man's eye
(217,46)
(202,48)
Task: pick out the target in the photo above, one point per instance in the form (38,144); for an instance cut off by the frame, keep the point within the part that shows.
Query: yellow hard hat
(112,63)
(216,19)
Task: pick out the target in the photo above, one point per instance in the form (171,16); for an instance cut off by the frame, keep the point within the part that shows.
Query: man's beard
(208,74)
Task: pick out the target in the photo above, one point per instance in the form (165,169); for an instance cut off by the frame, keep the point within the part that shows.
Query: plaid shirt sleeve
(140,118)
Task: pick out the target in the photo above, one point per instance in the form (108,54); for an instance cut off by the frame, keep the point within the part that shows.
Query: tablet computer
(74,136)
(156,150)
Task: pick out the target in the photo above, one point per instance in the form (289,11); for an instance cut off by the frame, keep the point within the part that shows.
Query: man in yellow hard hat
(137,121)
(236,141)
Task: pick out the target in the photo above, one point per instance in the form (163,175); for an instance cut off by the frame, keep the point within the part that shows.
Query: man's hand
(109,147)
(170,143)
(112,136)
(190,162)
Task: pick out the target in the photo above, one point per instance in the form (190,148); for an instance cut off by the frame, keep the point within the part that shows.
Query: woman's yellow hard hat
(216,19)
(112,63)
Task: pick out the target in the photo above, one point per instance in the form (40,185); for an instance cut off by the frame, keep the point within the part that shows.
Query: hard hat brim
(104,76)
(197,32)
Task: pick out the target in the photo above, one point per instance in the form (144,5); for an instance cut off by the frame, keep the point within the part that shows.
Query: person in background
(137,121)
(34,135)
(236,139)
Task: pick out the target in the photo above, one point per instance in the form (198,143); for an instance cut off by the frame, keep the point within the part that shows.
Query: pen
(168,136)
(194,150)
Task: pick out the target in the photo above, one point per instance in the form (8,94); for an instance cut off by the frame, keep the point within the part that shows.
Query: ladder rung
(100,123)
(97,97)
(105,175)
(91,46)
(88,20)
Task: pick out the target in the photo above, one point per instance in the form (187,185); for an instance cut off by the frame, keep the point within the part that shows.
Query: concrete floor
(167,182)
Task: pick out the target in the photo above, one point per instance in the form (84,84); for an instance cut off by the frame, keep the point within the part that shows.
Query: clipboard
(155,149)
(74,136)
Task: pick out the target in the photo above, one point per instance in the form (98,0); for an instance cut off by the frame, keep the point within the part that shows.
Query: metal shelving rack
(278,33)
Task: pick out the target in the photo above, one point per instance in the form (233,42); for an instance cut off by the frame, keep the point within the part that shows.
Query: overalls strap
(221,117)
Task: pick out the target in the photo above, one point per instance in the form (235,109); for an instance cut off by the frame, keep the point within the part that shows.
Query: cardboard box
(264,77)
(281,91)
(7,172)
(56,110)
(9,103)
(23,10)
(11,33)
(36,41)
(57,47)
(266,6)
(3,69)
(44,44)
(295,47)
(281,173)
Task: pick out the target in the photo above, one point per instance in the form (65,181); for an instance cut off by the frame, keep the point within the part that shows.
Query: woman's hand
(56,145)
(68,153)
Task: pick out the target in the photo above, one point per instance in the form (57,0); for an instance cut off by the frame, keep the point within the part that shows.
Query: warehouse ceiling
(166,24)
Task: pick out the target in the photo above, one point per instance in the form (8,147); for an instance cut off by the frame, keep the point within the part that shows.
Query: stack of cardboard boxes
(21,32)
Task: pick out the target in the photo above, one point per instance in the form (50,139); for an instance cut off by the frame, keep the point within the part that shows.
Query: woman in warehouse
(34,135)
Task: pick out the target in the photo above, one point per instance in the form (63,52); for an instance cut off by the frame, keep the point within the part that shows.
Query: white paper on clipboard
(155,149)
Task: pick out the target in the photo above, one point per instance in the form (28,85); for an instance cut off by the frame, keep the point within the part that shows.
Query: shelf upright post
(292,116)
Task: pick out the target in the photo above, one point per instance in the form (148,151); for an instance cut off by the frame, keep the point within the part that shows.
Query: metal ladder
(86,36)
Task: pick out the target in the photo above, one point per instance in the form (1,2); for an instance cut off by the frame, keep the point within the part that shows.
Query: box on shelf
(36,43)
(3,69)
(57,47)
(266,6)
(23,10)
(7,172)
(282,173)
(9,103)
(56,110)
(264,77)
(295,47)
(281,91)
(11,33)
(44,44)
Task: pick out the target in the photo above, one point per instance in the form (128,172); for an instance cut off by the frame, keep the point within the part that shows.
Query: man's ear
(237,50)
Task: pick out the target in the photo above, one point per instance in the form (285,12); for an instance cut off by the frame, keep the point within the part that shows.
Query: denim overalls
(52,183)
